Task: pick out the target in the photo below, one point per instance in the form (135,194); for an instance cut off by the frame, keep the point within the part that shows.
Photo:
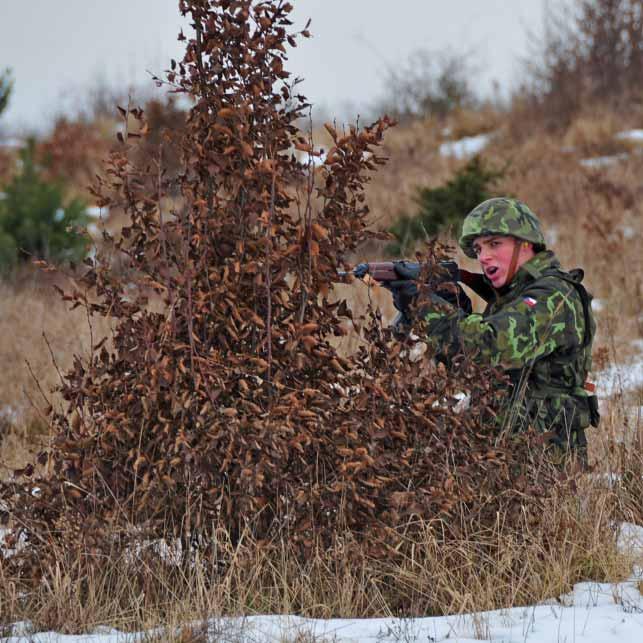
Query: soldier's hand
(454,294)
(404,294)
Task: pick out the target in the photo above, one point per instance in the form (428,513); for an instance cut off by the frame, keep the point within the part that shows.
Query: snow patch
(591,613)
(630,538)
(603,161)
(97,213)
(465,147)
(9,414)
(620,378)
(630,135)
(12,143)
(598,305)
(551,235)
(627,231)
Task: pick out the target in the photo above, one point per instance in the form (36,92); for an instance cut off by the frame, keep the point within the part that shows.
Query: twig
(189,295)
(164,237)
(53,358)
(35,379)
(310,181)
(269,277)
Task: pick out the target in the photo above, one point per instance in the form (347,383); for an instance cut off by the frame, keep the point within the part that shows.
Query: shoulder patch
(530,301)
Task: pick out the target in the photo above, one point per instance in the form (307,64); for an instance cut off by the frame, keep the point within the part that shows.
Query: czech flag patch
(530,301)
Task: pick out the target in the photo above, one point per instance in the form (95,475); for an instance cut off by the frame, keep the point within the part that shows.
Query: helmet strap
(513,265)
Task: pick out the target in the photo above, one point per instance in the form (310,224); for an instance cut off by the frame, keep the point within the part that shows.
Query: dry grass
(36,328)
(482,569)
(596,218)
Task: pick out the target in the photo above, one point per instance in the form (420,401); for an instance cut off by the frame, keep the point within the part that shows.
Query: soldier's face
(495,254)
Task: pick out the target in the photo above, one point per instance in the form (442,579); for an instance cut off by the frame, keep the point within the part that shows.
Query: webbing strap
(584,296)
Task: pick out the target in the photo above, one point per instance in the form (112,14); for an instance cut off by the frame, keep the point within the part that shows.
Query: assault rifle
(389,274)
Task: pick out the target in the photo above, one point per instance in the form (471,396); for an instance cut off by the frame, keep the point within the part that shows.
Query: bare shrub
(592,52)
(427,84)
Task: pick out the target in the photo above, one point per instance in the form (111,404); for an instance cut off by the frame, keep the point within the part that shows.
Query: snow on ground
(630,538)
(603,161)
(630,135)
(591,613)
(96,212)
(551,235)
(598,305)
(622,377)
(465,147)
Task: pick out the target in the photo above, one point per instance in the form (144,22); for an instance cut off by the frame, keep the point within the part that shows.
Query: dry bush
(591,53)
(428,84)
(470,122)
(73,153)
(226,402)
(592,133)
(7,165)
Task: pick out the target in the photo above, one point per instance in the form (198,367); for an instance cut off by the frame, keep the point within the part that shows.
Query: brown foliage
(73,152)
(221,401)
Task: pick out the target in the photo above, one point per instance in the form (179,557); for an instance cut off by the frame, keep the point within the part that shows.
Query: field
(583,181)
(593,219)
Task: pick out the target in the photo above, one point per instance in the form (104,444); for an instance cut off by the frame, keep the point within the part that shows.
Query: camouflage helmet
(501,216)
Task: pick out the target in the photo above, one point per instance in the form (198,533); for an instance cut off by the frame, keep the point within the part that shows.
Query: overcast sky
(59,50)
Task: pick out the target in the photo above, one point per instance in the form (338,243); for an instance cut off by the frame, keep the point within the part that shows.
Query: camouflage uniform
(539,330)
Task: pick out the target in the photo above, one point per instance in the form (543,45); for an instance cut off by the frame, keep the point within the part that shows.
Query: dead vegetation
(226,403)
(221,434)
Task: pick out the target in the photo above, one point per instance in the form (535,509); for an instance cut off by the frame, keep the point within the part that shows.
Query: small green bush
(35,222)
(442,209)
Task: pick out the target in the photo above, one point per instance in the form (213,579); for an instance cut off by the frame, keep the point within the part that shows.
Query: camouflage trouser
(564,418)
(575,447)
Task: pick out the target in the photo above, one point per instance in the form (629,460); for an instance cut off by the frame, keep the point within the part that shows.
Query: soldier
(538,328)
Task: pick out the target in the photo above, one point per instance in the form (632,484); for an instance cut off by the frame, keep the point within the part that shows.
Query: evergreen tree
(443,209)
(35,222)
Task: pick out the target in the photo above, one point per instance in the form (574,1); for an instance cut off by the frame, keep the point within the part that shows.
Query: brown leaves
(223,397)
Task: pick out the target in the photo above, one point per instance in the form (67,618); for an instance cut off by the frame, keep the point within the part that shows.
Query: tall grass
(434,573)
(38,338)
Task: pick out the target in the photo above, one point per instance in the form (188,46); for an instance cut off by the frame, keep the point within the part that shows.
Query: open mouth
(491,271)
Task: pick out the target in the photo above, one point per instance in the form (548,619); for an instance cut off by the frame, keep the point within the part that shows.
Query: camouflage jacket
(539,331)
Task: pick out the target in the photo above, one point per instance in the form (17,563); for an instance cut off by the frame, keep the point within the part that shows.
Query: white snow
(621,378)
(11,142)
(627,231)
(630,538)
(603,161)
(591,613)
(96,212)
(551,235)
(630,135)
(9,414)
(465,147)
(598,305)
